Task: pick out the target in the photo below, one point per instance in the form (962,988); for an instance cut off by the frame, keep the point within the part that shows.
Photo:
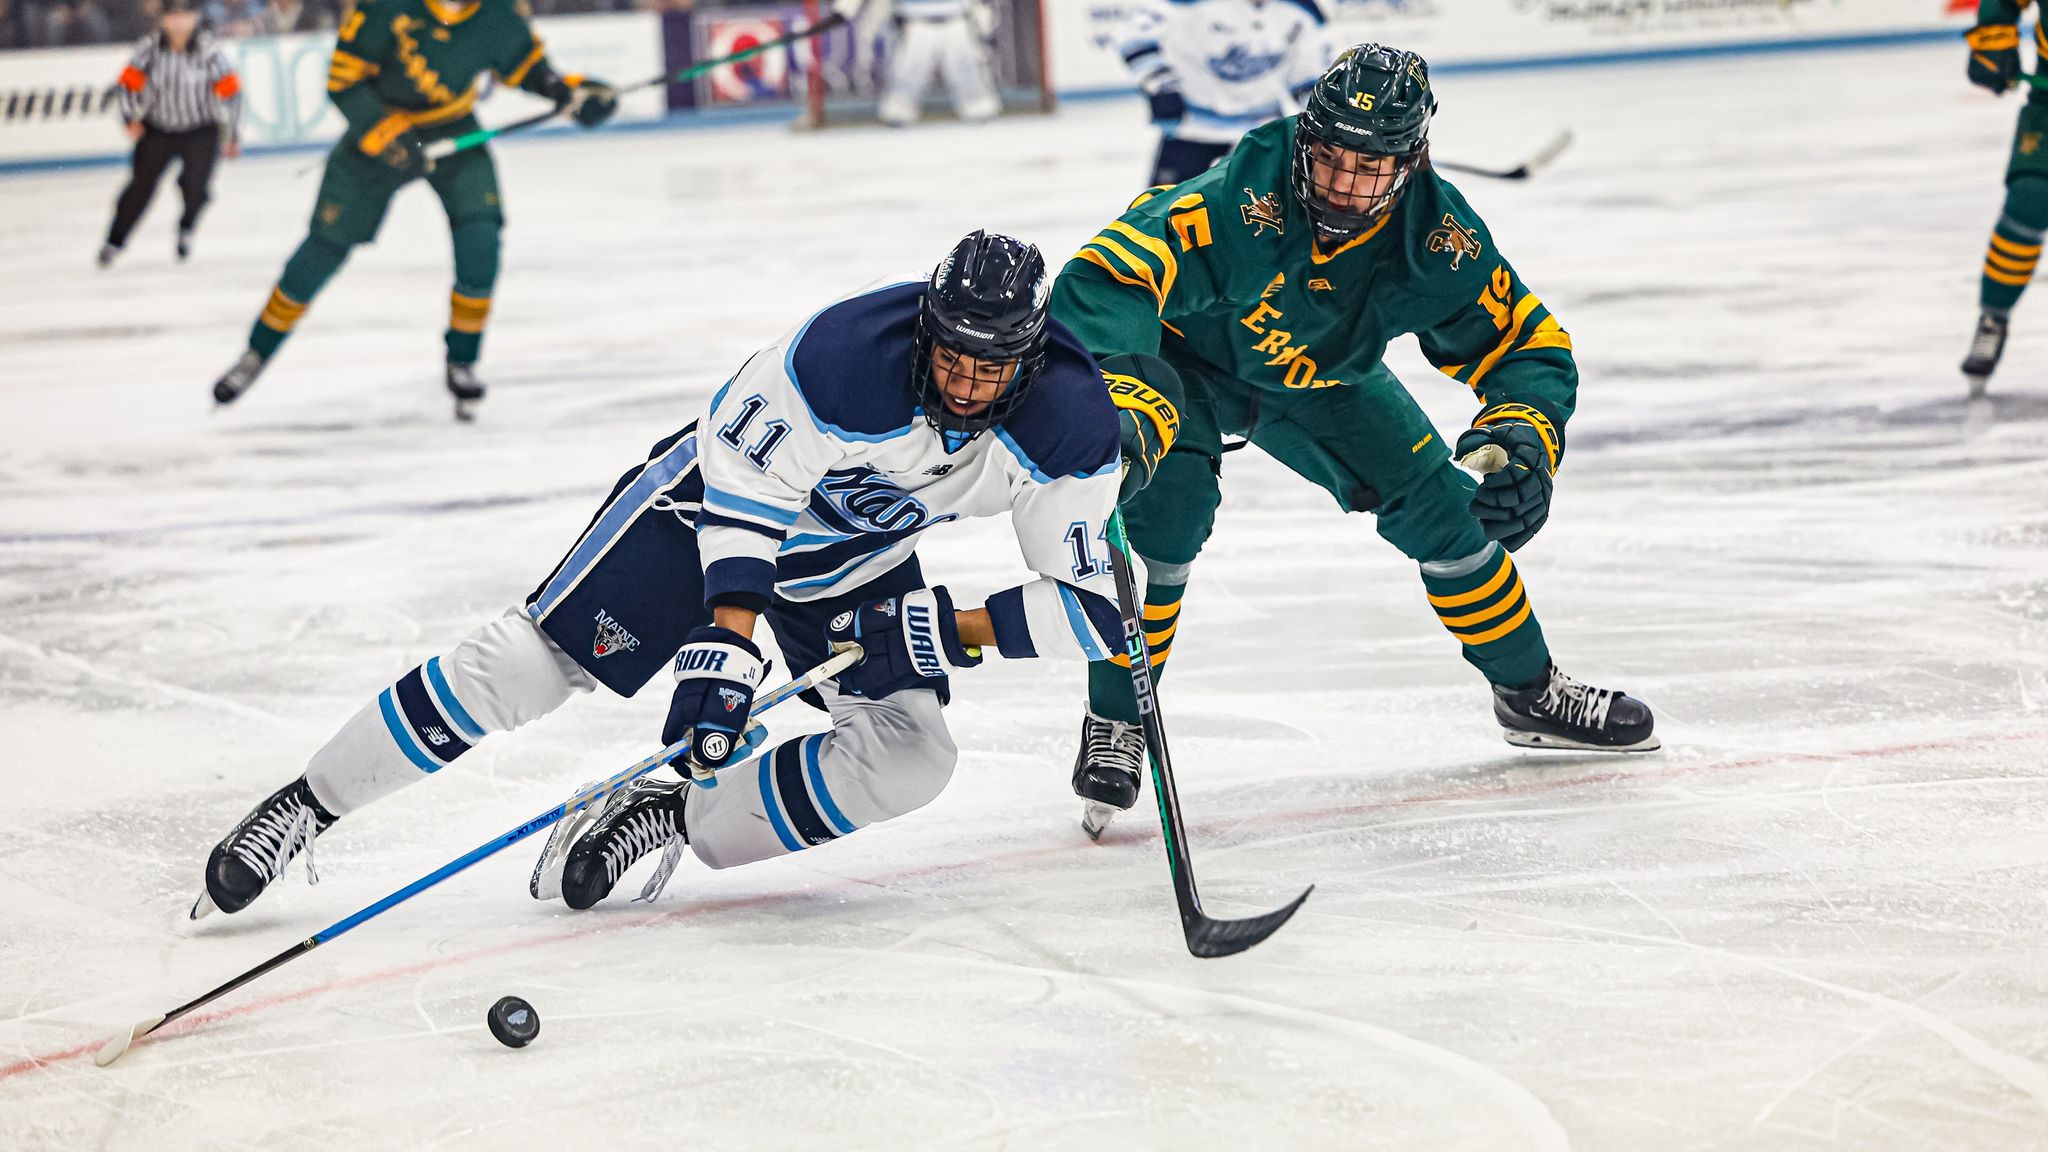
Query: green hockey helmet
(1372,102)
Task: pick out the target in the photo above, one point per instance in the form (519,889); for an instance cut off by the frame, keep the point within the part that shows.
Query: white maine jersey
(1237,63)
(820,473)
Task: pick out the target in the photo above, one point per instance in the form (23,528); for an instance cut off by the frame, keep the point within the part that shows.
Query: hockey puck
(514,1022)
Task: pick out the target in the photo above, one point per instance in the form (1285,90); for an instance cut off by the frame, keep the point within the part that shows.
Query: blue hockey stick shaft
(119,1044)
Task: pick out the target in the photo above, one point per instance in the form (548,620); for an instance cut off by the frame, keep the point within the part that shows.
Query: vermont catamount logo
(1456,239)
(1263,212)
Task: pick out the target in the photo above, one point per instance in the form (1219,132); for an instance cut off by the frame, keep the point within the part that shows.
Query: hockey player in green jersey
(1273,284)
(405,74)
(2015,247)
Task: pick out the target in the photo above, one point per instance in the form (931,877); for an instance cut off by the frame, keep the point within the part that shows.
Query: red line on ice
(1648,770)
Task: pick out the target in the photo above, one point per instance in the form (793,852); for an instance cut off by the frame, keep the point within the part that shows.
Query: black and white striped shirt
(180,91)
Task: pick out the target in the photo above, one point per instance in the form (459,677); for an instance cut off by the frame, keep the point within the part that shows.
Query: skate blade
(546,881)
(465,411)
(1978,386)
(203,907)
(1522,739)
(1096,817)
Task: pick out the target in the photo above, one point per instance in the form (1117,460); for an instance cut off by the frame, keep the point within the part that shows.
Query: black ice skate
(1556,711)
(466,388)
(644,816)
(184,244)
(1107,770)
(240,378)
(256,852)
(1985,350)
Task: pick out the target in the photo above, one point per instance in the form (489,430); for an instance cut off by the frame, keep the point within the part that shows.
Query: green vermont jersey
(1228,262)
(414,64)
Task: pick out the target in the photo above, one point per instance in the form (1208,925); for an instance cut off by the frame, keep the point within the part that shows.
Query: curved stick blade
(1210,937)
(120,1041)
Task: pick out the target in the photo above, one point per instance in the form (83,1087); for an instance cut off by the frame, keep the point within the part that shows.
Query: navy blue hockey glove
(717,673)
(909,641)
(1994,56)
(1513,503)
(1168,107)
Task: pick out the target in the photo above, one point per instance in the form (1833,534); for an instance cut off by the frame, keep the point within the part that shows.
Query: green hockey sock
(1109,681)
(1481,600)
(305,274)
(476,273)
(2015,248)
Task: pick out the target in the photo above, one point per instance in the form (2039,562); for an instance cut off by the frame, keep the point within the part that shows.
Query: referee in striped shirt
(180,100)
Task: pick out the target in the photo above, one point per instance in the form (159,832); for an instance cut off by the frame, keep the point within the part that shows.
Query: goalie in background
(949,38)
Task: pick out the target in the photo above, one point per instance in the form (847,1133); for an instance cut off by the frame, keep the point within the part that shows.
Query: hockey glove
(1513,503)
(1147,421)
(392,142)
(716,673)
(910,641)
(1994,56)
(589,101)
(1162,90)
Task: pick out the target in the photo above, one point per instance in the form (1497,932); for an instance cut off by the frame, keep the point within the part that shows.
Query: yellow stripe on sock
(1488,613)
(2006,278)
(1493,634)
(1155,639)
(1161,611)
(466,314)
(2006,263)
(282,312)
(2022,251)
(1500,577)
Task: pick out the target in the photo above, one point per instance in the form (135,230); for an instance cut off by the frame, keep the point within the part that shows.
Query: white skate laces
(1990,339)
(270,842)
(638,834)
(1574,703)
(1114,744)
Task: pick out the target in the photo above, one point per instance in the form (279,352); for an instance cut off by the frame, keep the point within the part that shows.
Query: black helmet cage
(1396,124)
(987,299)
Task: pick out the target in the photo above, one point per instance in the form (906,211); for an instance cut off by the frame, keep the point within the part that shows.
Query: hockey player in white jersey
(1214,69)
(943,38)
(800,495)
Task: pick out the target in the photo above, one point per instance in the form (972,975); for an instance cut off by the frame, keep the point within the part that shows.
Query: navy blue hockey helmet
(987,299)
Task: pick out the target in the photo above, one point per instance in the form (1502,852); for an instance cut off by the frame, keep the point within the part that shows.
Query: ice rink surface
(1817,919)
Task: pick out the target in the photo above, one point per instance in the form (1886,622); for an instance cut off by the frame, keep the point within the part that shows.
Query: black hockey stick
(442,149)
(1522,171)
(1207,936)
(595,794)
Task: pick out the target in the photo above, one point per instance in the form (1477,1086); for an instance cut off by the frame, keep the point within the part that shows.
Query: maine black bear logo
(1456,239)
(612,636)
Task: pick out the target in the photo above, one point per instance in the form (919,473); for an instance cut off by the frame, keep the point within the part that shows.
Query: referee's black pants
(198,148)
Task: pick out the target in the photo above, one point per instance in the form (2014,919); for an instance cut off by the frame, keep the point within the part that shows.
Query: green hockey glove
(1994,56)
(1513,503)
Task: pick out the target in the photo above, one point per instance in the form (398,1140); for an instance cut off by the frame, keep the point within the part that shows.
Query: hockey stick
(1522,171)
(1207,936)
(121,1042)
(442,149)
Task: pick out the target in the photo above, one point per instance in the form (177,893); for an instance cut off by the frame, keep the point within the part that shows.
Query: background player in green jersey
(1272,284)
(2015,247)
(405,73)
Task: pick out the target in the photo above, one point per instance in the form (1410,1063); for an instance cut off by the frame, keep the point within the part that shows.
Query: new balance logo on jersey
(938,470)
(435,736)
(611,636)
(921,631)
